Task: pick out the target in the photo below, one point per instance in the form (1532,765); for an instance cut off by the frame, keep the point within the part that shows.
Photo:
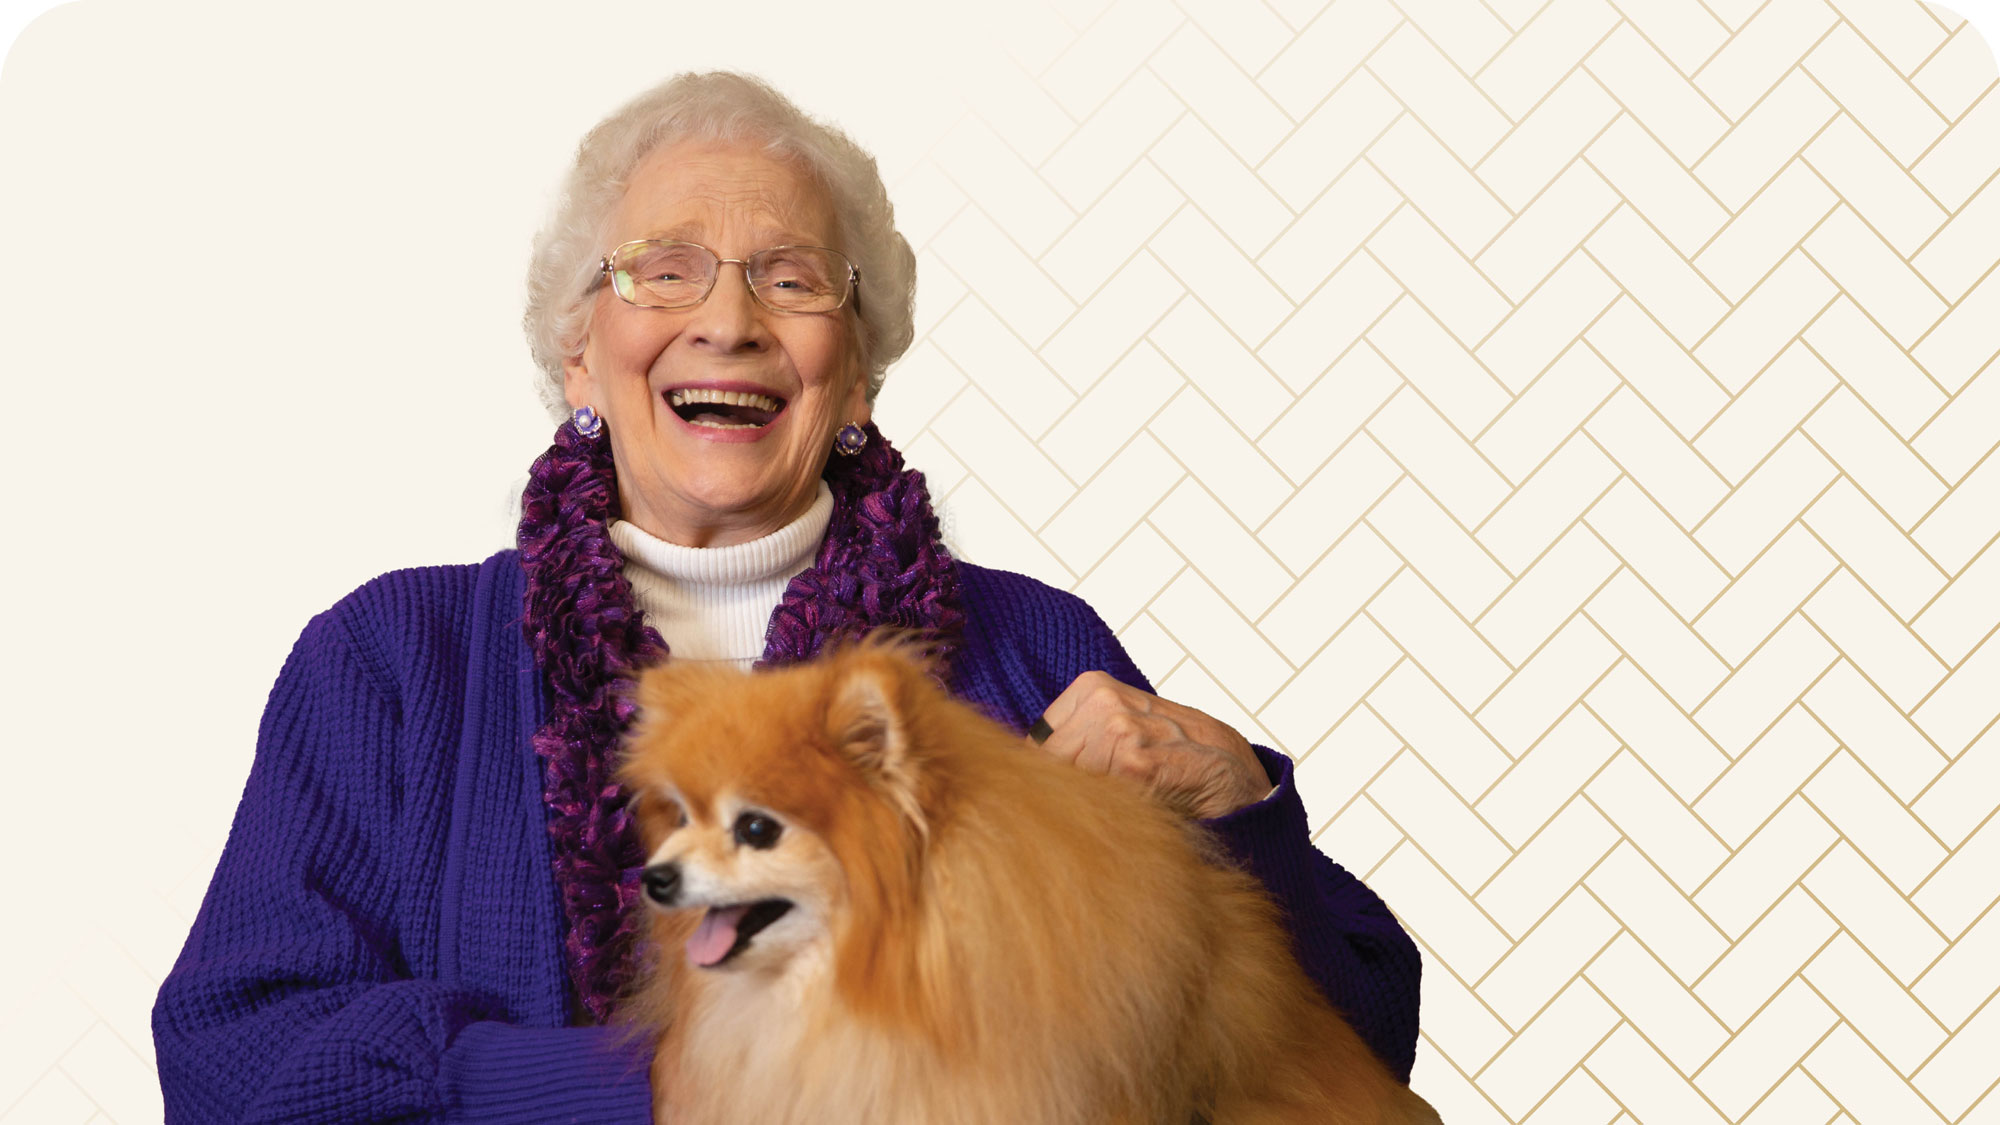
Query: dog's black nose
(662,882)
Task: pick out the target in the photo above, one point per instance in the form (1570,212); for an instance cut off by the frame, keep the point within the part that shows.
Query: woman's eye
(755,830)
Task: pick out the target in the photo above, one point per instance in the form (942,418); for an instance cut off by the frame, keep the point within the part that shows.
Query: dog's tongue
(716,934)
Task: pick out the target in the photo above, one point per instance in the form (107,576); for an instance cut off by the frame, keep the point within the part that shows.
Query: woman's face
(691,483)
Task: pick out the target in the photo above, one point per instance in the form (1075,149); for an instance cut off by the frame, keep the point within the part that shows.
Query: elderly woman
(425,907)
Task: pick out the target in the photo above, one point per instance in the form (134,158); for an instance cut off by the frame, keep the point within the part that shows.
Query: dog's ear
(866,723)
(672,688)
(654,691)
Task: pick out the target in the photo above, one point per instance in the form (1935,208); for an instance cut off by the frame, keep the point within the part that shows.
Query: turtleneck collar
(782,553)
(715,603)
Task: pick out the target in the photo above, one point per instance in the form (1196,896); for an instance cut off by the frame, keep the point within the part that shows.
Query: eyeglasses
(655,274)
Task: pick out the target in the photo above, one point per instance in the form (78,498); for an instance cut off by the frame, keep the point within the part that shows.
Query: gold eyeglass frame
(604,272)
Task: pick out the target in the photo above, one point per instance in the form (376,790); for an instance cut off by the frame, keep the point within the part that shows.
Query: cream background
(1651,684)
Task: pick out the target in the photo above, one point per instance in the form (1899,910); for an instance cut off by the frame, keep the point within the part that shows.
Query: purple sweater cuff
(501,1074)
(1268,818)
(1345,937)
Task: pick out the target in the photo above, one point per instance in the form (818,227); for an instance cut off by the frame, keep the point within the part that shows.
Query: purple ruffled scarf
(882,564)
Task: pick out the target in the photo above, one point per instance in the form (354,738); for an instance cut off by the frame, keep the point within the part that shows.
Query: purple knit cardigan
(382,938)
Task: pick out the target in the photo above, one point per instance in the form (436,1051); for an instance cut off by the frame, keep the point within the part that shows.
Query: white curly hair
(716,106)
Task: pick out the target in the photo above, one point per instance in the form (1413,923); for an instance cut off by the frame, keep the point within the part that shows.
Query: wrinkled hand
(1193,762)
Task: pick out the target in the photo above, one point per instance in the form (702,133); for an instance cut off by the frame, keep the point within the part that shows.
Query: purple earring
(586,422)
(851,440)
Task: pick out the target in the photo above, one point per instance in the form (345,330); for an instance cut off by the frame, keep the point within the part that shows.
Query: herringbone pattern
(1565,428)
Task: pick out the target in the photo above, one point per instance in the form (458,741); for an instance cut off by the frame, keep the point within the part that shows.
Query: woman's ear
(858,410)
(578,387)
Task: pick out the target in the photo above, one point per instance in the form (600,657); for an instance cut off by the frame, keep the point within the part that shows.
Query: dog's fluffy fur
(975,932)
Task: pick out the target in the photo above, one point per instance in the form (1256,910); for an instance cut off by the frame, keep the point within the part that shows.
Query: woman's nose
(729,318)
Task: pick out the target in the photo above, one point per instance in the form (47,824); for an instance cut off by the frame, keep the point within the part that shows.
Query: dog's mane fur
(1019,941)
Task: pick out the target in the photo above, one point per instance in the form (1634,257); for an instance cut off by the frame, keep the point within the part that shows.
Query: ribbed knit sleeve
(1036,639)
(1344,936)
(295,998)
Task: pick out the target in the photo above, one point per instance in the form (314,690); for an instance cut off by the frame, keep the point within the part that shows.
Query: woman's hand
(1195,763)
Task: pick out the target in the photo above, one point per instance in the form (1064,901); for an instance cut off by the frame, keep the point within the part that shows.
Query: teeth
(725,398)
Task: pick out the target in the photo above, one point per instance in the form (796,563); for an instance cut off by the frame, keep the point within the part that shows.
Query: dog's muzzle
(662,882)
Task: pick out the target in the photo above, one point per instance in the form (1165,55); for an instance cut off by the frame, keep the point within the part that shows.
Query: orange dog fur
(973,932)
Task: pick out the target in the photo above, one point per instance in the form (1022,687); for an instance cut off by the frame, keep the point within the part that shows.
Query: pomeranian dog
(874,904)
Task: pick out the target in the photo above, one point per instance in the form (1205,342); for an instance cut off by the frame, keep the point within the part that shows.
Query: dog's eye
(669,811)
(755,830)
(674,812)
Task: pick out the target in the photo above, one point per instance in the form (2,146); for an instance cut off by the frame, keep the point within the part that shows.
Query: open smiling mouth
(725,931)
(724,410)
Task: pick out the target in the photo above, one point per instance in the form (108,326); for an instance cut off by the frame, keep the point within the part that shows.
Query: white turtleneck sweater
(715,603)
